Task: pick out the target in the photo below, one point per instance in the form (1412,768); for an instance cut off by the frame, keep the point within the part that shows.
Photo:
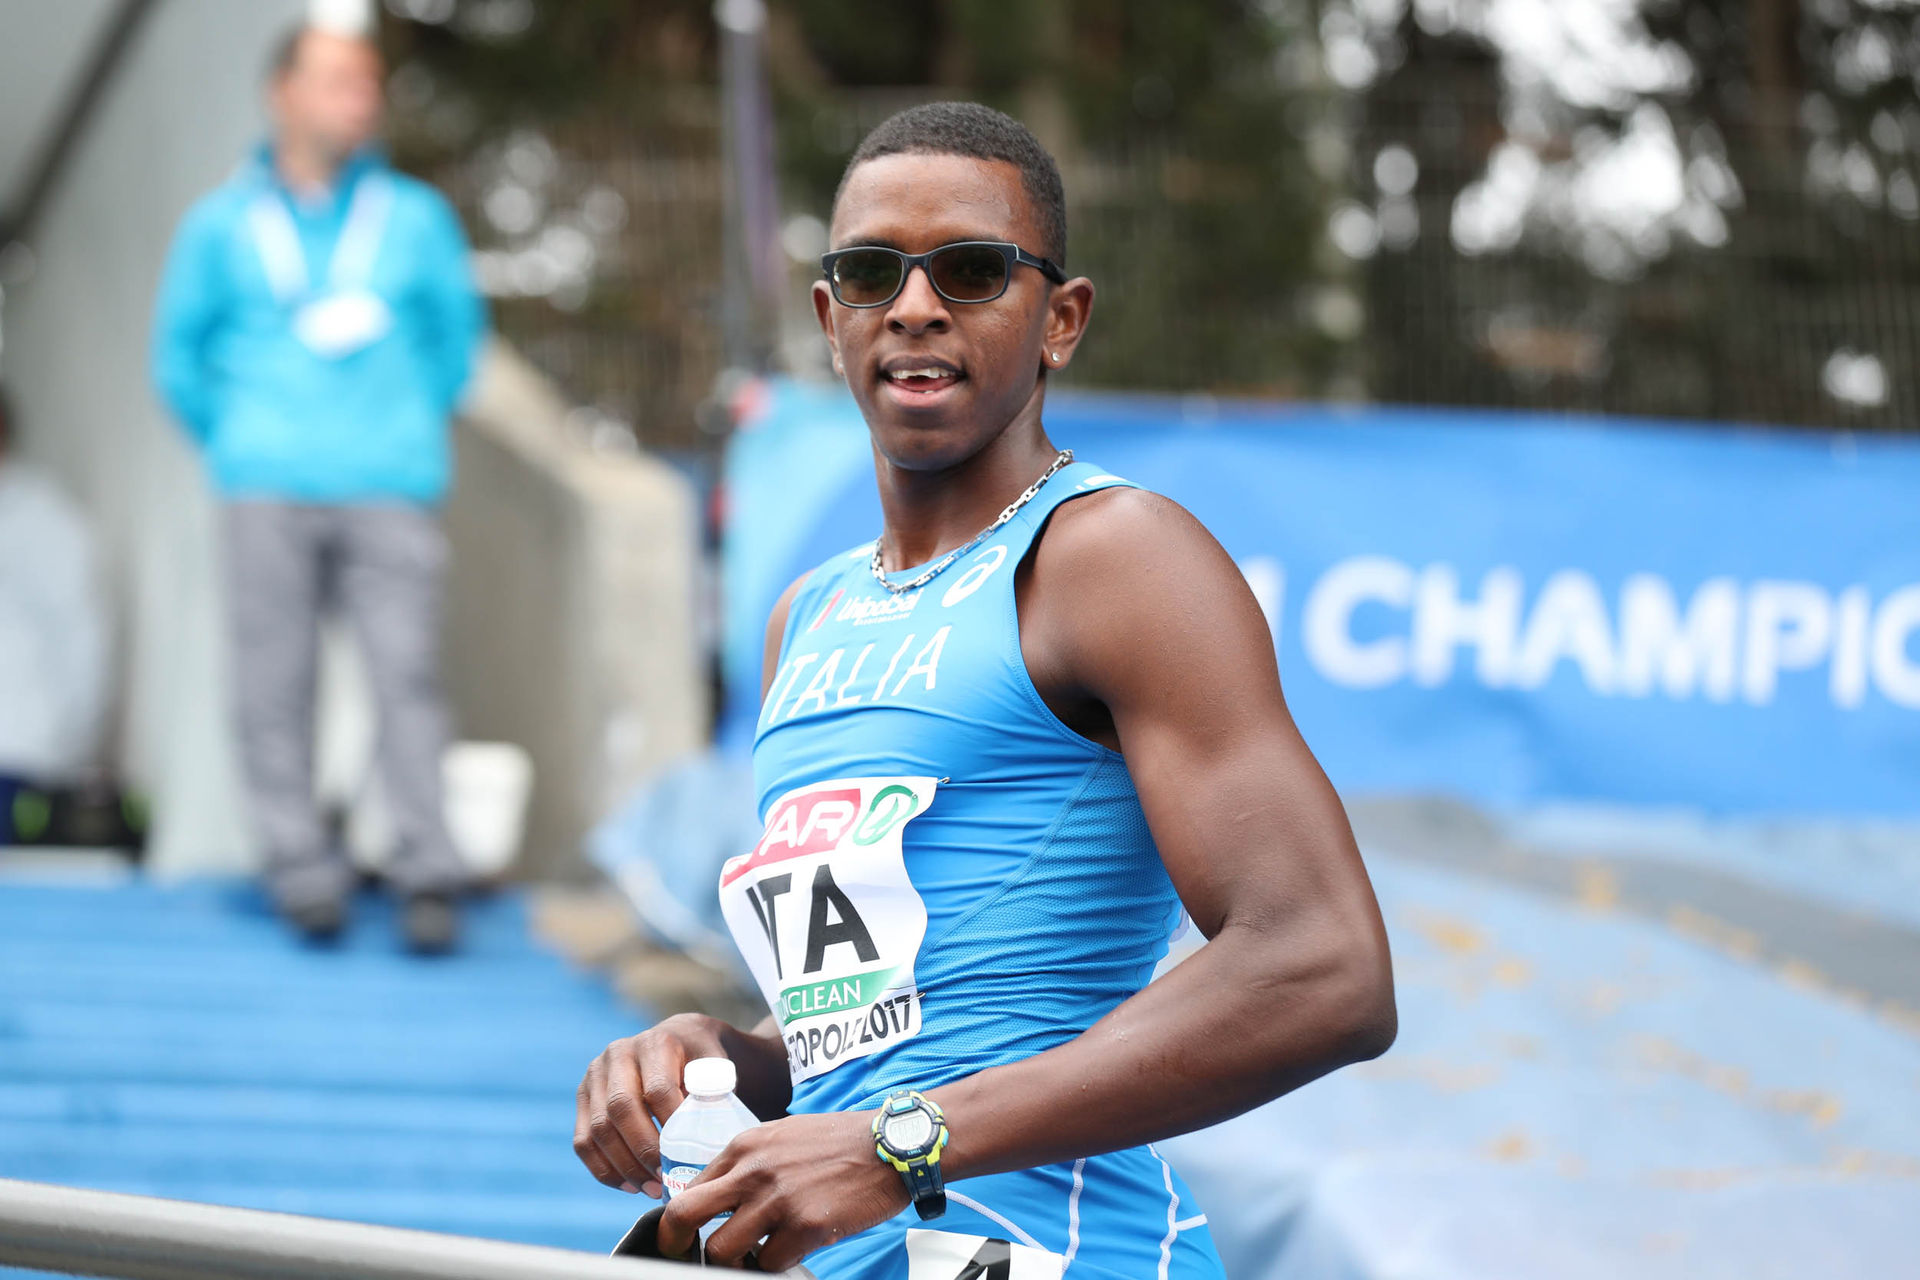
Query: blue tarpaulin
(1576,1094)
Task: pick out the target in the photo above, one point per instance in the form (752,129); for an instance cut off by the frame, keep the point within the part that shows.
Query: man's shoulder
(422,199)
(1121,529)
(1110,553)
(215,210)
(408,187)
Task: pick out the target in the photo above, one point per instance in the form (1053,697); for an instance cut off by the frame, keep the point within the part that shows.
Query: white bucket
(487,787)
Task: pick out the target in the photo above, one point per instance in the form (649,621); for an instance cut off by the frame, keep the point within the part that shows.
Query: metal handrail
(102,1233)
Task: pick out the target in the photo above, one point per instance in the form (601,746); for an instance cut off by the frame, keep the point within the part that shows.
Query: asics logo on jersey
(976,575)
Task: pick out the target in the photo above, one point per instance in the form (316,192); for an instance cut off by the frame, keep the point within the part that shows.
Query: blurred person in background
(53,637)
(316,324)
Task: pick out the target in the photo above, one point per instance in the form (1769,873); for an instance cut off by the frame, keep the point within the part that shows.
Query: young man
(315,326)
(999,750)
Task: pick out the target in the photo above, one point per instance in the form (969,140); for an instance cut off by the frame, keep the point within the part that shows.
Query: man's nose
(919,307)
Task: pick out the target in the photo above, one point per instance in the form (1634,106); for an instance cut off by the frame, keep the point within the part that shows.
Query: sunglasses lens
(970,273)
(866,277)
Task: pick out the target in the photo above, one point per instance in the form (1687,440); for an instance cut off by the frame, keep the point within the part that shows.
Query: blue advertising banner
(1502,607)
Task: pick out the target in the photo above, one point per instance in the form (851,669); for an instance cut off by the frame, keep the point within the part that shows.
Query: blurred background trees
(1682,208)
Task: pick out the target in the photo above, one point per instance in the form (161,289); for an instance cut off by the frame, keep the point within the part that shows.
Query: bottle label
(828,920)
(676,1175)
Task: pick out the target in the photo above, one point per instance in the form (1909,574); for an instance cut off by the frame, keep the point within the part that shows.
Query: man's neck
(305,169)
(929,513)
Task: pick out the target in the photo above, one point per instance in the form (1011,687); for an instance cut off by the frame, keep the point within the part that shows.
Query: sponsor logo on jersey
(861,610)
(832,600)
(976,575)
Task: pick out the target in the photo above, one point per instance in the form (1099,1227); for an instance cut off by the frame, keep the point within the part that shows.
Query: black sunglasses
(967,271)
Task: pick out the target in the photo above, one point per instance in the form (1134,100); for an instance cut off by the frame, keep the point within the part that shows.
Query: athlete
(1000,749)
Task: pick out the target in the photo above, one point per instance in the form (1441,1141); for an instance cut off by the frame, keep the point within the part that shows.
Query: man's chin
(922,442)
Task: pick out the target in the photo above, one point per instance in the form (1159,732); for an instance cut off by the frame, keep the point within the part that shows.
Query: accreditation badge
(336,325)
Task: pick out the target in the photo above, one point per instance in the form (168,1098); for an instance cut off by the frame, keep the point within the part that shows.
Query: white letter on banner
(1897,677)
(1327,626)
(1441,620)
(1848,680)
(1788,627)
(1568,621)
(1653,640)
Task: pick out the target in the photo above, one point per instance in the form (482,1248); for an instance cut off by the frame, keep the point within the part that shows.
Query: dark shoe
(319,921)
(431,924)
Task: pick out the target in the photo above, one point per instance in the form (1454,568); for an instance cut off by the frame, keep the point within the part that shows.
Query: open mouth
(921,380)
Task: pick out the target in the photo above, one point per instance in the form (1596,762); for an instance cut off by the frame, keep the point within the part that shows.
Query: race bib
(948,1255)
(829,923)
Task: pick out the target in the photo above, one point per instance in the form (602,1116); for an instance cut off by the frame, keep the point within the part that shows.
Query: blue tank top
(950,879)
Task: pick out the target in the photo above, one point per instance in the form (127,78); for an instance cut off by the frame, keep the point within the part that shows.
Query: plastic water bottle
(706,1122)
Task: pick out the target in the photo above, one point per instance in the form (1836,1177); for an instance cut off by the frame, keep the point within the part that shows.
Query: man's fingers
(583,1143)
(790,1243)
(730,1243)
(661,1061)
(596,1163)
(604,1132)
(629,1114)
(689,1210)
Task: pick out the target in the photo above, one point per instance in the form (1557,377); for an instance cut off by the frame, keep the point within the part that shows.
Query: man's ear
(823,312)
(1069,308)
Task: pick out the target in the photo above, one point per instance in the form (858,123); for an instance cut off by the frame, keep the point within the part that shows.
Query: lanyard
(351,266)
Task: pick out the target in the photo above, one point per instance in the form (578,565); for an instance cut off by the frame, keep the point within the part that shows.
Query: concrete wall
(184,107)
(571,610)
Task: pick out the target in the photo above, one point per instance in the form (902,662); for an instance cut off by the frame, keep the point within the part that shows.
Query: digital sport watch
(909,1133)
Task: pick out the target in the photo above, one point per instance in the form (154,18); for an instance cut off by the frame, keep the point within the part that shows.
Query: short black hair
(286,52)
(970,129)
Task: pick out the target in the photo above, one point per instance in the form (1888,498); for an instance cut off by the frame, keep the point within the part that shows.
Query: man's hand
(634,1085)
(802,1183)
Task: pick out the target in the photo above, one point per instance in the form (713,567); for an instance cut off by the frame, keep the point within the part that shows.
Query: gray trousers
(383,566)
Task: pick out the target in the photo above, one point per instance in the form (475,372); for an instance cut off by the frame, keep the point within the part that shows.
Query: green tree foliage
(1684,208)
(1192,204)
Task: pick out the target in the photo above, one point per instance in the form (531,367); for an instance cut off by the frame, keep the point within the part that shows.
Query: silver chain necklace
(928,575)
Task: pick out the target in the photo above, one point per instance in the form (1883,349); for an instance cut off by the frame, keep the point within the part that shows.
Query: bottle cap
(710,1077)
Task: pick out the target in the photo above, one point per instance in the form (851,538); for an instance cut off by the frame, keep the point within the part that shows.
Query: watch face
(908,1132)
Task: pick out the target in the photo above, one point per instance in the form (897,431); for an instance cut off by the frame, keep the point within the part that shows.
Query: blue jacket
(276,419)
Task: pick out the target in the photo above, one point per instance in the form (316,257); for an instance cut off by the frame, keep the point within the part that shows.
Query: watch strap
(927,1187)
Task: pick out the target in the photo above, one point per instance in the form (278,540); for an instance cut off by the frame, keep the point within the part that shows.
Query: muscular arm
(1131,603)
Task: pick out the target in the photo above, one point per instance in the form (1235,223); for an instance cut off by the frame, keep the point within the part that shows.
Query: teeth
(901,375)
